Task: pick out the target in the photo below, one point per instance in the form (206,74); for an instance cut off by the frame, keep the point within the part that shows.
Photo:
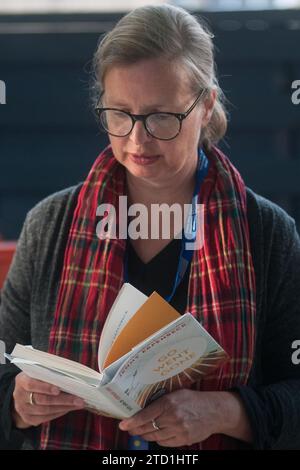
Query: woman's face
(150,86)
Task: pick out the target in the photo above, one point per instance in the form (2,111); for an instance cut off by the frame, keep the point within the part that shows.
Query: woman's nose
(139,134)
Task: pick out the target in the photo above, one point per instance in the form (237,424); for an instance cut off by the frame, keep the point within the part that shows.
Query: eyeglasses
(160,125)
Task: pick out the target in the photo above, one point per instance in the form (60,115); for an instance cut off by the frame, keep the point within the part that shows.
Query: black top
(159,274)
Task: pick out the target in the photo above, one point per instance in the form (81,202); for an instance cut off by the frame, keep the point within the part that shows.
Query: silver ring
(154,425)
(31,400)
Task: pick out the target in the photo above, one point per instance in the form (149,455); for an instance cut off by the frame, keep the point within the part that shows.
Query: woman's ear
(208,106)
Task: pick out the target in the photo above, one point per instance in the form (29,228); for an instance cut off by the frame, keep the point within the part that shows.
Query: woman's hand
(48,402)
(186,417)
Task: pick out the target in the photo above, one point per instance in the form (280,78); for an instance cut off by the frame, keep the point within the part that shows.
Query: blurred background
(49,137)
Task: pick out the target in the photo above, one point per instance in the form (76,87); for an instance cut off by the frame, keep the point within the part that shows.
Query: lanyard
(189,233)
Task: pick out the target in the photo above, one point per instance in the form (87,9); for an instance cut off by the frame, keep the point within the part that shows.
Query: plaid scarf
(221,292)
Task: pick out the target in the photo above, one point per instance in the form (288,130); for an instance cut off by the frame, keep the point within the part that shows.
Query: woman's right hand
(48,402)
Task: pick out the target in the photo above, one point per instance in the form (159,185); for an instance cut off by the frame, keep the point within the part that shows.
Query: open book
(146,349)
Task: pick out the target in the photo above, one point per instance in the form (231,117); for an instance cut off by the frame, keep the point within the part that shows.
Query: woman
(161,104)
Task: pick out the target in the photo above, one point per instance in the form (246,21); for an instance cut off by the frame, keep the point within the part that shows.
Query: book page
(153,315)
(128,301)
(74,375)
(52,361)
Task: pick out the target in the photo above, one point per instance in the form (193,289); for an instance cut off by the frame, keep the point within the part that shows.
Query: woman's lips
(144,159)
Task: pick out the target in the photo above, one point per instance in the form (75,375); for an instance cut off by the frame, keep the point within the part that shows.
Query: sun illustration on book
(191,374)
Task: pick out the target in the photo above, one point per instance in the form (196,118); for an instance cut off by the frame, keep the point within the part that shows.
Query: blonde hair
(172,33)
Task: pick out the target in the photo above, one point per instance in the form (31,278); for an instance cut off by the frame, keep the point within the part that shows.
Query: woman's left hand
(183,417)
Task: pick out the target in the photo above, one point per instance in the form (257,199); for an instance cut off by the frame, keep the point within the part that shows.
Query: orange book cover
(153,315)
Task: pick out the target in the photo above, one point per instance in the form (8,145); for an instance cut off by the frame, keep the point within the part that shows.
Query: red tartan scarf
(221,292)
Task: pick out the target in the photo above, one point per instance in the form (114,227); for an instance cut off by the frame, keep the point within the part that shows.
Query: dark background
(48,133)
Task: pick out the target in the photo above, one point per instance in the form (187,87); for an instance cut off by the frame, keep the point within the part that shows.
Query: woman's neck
(178,191)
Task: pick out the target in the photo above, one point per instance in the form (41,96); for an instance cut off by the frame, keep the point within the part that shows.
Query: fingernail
(122,425)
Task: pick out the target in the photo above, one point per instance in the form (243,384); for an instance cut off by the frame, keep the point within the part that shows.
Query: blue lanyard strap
(189,233)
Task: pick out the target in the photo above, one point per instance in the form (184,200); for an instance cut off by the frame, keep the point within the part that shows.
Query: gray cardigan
(272,395)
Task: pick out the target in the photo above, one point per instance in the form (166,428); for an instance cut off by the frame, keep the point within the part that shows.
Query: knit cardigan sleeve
(42,224)
(15,328)
(272,396)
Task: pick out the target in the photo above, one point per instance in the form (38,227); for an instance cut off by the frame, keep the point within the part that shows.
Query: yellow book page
(153,315)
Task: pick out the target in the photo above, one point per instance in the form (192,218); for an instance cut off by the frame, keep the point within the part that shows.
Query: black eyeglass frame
(143,117)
